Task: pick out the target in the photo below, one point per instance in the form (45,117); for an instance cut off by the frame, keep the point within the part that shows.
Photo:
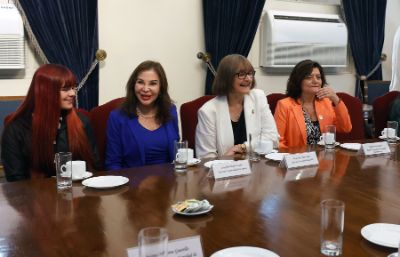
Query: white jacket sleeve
(206,134)
(268,126)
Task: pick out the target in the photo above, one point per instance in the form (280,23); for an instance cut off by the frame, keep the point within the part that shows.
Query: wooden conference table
(272,208)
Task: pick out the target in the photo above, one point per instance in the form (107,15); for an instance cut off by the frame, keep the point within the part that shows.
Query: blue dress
(155,145)
(128,143)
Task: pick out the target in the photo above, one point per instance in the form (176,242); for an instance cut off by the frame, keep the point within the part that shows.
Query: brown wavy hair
(226,72)
(299,73)
(163,101)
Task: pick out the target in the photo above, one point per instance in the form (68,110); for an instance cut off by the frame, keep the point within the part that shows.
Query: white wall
(161,36)
(171,32)
(174,37)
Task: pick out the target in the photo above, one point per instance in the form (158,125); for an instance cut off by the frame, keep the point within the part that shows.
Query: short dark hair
(226,72)
(163,101)
(298,74)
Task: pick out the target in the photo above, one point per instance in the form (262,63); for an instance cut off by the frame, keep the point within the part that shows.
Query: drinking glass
(332,223)
(391,131)
(181,155)
(253,143)
(63,162)
(153,242)
(329,136)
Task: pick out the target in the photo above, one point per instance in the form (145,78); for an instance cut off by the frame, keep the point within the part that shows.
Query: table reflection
(272,208)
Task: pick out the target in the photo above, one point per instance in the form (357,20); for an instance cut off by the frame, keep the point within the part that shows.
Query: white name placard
(300,160)
(375,148)
(184,247)
(231,169)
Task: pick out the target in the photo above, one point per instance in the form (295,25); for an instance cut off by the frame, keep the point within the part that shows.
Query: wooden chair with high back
(98,119)
(188,113)
(381,108)
(354,106)
(273,100)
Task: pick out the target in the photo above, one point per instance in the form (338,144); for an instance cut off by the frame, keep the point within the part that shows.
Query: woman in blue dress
(143,130)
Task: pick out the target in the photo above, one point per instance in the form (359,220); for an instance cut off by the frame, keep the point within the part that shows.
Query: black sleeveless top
(239,129)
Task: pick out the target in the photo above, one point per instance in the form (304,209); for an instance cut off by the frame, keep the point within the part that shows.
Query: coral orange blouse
(291,125)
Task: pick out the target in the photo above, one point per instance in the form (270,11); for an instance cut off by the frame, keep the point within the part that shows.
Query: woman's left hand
(328,92)
(236,149)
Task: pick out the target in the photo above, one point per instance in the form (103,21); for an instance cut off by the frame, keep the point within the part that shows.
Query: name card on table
(299,160)
(184,247)
(230,169)
(375,148)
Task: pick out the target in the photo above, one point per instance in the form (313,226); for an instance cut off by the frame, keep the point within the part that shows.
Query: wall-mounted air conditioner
(289,37)
(12,54)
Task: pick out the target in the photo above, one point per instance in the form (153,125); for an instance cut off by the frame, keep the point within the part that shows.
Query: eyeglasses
(242,74)
(66,89)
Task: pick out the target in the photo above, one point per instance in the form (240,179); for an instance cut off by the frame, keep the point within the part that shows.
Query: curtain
(229,27)
(67,33)
(365,21)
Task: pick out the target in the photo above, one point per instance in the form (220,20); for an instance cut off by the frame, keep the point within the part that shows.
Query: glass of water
(153,242)
(332,223)
(63,162)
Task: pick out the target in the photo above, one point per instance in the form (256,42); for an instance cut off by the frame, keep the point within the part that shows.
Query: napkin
(191,205)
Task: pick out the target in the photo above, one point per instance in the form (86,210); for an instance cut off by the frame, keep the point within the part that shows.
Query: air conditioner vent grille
(299,18)
(285,55)
(12,52)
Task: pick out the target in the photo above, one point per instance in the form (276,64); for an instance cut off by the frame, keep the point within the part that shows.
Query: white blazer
(214,133)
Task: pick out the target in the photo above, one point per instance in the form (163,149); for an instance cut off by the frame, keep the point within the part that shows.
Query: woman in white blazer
(225,122)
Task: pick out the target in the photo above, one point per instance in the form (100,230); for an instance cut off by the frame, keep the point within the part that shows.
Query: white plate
(193,162)
(272,151)
(275,156)
(210,163)
(351,146)
(385,138)
(103,182)
(86,175)
(382,234)
(244,251)
(193,213)
(322,143)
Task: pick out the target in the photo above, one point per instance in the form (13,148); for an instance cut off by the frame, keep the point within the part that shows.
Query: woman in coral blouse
(310,105)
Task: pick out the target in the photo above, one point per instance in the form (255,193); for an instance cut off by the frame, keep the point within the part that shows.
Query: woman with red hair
(44,124)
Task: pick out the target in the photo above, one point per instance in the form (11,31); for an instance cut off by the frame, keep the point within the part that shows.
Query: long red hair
(43,103)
